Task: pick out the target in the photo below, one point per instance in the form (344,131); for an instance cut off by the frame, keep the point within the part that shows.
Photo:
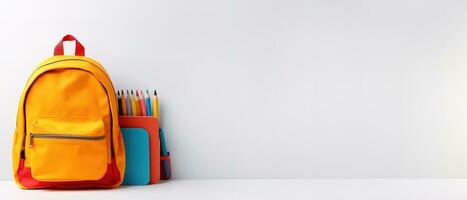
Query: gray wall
(292,89)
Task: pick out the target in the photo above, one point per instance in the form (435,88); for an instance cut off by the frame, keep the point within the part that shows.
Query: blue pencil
(148,104)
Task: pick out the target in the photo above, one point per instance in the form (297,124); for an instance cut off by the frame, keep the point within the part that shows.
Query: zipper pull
(30,140)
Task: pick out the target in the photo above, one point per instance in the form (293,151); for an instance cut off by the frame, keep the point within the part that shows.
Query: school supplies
(123,102)
(138,109)
(134,109)
(155,107)
(151,125)
(142,104)
(165,173)
(143,117)
(120,109)
(136,103)
(128,104)
(137,170)
(148,104)
(67,133)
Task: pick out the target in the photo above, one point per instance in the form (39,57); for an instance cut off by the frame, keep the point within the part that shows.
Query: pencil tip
(155,92)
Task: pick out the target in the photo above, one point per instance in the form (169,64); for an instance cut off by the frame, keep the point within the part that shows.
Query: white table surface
(316,189)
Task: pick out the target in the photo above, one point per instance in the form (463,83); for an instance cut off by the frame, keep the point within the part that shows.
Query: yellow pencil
(133,105)
(155,106)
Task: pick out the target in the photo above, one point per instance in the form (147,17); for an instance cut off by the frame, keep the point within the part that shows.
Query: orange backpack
(67,133)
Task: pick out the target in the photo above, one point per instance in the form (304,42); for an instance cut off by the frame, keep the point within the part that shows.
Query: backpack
(67,133)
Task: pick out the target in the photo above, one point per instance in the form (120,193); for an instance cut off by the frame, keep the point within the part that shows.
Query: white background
(270,89)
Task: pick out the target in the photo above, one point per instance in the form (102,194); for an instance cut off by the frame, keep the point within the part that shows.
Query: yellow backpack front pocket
(68,149)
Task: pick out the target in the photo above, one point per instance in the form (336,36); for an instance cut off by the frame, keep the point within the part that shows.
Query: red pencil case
(151,125)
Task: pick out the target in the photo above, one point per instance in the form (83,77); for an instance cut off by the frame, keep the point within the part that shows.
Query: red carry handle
(79,49)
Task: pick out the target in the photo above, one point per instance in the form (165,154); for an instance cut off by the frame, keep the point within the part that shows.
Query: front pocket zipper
(68,149)
(63,136)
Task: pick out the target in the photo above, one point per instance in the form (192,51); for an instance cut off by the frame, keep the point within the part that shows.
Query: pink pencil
(142,103)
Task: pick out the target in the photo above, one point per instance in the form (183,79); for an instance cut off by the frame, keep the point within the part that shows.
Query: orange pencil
(124,104)
(138,109)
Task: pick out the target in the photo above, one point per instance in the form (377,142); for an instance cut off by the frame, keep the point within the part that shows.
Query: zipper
(63,136)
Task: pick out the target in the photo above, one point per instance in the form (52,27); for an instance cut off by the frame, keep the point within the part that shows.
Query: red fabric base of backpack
(111,177)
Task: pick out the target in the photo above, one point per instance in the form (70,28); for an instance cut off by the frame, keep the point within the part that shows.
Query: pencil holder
(139,132)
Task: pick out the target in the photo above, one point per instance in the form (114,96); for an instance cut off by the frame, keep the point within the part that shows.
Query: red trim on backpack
(111,177)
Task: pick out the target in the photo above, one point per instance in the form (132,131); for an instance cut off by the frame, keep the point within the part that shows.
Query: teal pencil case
(137,170)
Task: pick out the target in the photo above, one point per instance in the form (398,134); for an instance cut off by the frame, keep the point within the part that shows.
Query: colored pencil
(142,102)
(119,102)
(148,104)
(123,102)
(138,109)
(155,106)
(133,105)
(128,104)
(138,105)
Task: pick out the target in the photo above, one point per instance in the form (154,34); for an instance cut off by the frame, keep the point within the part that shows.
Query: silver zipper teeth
(63,136)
